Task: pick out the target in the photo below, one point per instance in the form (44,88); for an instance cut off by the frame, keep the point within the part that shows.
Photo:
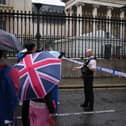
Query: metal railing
(70,34)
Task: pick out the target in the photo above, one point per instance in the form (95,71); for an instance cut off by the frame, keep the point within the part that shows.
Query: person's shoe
(83,105)
(88,109)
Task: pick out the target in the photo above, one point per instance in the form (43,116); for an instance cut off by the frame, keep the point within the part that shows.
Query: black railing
(70,34)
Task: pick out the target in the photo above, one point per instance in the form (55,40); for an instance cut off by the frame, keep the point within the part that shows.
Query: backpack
(8,97)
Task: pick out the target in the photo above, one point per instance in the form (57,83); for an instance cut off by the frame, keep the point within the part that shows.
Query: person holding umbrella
(40,100)
(28,49)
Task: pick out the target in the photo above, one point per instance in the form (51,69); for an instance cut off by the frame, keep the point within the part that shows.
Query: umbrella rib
(25,88)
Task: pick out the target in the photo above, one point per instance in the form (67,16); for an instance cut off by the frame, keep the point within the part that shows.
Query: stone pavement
(109,108)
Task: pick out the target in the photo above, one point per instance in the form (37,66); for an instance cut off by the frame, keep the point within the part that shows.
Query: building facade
(97,24)
(95,8)
(23,5)
(9,16)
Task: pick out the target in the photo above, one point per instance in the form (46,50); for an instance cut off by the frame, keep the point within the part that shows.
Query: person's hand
(76,68)
(51,120)
(93,69)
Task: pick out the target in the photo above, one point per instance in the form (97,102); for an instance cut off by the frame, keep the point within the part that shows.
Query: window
(2,1)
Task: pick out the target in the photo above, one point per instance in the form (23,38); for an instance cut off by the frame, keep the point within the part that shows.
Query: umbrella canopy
(38,73)
(8,41)
(55,53)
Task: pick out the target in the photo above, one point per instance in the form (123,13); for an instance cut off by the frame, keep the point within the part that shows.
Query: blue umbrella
(38,73)
(9,41)
(55,53)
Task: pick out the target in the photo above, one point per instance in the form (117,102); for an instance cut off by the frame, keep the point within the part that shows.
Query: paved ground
(110,104)
(110,108)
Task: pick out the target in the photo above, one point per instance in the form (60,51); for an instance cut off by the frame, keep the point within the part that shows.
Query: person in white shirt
(88,70)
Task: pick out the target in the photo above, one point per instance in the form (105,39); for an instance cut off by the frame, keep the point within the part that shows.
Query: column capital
(122,11)
(109,11)
(80,4)
(122,14)
(71,11)
(94,10)
(79,9)
(95,6)
(109,8)
(67,12)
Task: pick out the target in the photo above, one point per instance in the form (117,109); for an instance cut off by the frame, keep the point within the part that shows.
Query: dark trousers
(88,91)
(25,113)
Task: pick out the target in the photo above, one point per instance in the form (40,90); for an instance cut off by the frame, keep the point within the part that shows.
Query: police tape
(100,68)
(74,61)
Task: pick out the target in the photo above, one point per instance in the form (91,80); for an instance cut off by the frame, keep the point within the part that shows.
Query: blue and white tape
(99,68)
(74,61)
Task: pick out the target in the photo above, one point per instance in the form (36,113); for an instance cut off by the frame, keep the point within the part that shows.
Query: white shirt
(92,63)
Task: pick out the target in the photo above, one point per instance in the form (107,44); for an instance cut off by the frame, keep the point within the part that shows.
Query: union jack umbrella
(38,73)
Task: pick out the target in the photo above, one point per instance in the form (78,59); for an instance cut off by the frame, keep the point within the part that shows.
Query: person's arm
(49,102)
(15,78)
(92,65)
(92,69)
(77,68)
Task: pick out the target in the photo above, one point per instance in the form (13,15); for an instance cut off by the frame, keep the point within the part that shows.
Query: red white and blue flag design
(38,73)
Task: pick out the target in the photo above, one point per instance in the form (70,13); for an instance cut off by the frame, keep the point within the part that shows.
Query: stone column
(79,20)
(28,5)
(67,23)
(94,13)
(109,12)
(70,22)
(122,25)
(108,24)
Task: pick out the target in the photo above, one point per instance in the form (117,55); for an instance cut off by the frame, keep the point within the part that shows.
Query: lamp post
(38,35)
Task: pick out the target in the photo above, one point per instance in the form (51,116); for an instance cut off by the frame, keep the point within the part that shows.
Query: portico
(95,9)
